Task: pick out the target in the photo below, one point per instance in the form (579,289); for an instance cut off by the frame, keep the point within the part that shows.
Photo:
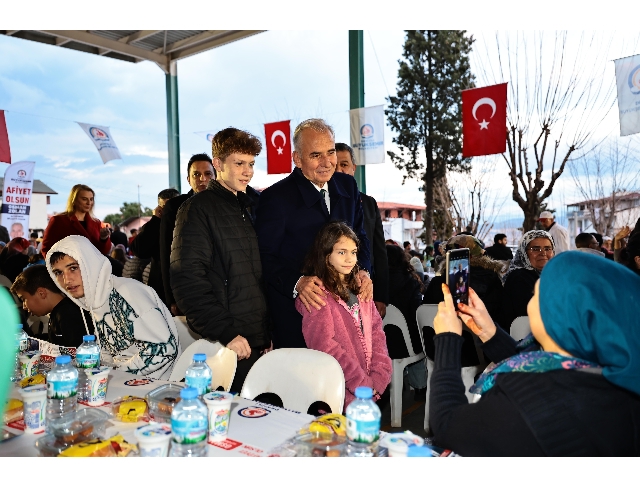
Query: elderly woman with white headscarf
(535,250)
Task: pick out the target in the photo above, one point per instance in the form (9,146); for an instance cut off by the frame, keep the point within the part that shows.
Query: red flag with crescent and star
(484,120)
(277,136)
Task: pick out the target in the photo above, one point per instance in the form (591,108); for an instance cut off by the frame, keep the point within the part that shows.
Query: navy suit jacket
(288,218)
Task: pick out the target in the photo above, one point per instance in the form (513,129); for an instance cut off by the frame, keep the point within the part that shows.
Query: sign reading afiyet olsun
(367,134)
(16,198)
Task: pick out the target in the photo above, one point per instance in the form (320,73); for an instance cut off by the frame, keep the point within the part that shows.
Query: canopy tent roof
(159,46)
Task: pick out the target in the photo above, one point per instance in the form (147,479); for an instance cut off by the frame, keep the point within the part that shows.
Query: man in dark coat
(216,274)
(374,230)
(499,249)
(289,216)
(147,243)
(199,172)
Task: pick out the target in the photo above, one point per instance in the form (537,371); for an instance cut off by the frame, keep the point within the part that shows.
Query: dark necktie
(323,192)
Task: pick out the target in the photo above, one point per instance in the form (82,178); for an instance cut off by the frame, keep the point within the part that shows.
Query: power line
(377,61)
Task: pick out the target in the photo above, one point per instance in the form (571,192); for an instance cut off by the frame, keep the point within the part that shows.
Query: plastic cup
(29,362)
(97,380)
(219,405)
(397,444)
(35,408)
(153,439)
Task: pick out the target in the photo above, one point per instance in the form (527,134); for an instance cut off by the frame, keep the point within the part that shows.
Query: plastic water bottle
(363,424)
(22,343)
(62,388)
(87,357)
(198,374)
(189,425)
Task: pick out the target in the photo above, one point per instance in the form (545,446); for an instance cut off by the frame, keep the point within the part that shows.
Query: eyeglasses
(546,250)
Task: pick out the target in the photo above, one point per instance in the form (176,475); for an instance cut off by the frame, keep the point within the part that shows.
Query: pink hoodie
(364,359)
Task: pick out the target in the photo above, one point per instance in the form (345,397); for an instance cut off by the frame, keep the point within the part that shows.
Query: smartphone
(458,272)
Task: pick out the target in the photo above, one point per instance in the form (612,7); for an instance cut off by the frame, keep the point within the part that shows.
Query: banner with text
(628,83)
(103,141)
(367,134)
(16,198)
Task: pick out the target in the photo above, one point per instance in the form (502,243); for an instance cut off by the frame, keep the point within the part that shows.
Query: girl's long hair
(398,259)
(317,264)
(71,202)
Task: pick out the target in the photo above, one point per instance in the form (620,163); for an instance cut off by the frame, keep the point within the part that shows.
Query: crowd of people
(304,263)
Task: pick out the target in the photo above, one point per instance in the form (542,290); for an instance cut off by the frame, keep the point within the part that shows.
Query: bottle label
(363,431)
(87,360)
(23,344)
(62,389)
(201,384)
(188,432)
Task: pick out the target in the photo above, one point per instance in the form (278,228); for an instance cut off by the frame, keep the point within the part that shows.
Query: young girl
(346,328)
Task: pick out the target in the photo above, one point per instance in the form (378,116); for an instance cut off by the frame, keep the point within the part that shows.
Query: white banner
(16,198)
(207,135)
(103,141)
(628,82)
(367,134)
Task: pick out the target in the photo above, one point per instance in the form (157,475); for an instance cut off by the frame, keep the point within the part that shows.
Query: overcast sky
(271,76)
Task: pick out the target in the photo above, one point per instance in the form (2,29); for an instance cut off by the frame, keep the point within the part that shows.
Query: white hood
(97,279)
(588,250)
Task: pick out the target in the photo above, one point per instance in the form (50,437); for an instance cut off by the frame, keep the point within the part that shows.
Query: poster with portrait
(16,198)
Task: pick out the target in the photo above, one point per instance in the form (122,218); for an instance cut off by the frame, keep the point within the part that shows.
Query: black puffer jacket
(216,275)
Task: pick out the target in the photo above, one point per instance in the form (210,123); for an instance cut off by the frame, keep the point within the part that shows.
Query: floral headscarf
(521,259)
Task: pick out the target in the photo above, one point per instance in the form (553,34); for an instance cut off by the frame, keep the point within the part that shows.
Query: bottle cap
(189,393)
(20,326)
(364,392)
(89,338)
(199,357)
(63,359)
(418,451)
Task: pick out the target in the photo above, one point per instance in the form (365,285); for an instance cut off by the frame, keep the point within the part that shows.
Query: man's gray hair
(316,124)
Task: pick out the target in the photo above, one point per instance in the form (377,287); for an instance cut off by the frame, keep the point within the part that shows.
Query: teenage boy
(132,323)
(40,296)
(216,274)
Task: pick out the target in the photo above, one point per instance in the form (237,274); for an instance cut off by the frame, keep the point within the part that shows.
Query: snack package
(32,381)
(13,410)
(130,409)
(328,423)
(116,446)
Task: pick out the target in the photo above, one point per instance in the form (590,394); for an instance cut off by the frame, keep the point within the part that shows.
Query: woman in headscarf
(535,250)
(577,394)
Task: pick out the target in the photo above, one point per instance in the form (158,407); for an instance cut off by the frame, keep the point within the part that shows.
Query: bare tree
(557,97)
(604,177)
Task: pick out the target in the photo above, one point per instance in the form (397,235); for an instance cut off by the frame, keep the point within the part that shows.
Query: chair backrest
(520,328)
(425,315)
(221,360)
(299,376)
(394,317)
(186,335)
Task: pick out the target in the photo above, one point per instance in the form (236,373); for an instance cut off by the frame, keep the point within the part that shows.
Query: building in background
(580,215)
(41,199)
(402,222)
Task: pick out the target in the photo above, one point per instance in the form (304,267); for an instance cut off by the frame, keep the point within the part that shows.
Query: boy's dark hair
(56,256)
(231,140)
(583,240)
(406,244)
(598,238)
(198,158)
(167,194)
(341,147)
(34,277)
(316,262)
(498,237)
(33,235)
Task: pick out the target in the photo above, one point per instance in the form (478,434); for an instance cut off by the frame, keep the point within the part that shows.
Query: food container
(86,424)
(319,444)
(130,409)
(219,408)
(397,444)
(153,439)
(97,380)
(29,362)
(161,401)
(35,406)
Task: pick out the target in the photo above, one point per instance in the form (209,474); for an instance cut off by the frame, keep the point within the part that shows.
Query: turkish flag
(277,136)
(484,120)
(5,150)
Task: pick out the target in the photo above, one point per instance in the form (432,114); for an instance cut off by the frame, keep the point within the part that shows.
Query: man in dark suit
(374,230)
(199,172)
(290,214)
(118,237)
(499,249)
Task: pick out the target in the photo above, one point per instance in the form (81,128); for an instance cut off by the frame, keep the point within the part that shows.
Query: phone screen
(458,271)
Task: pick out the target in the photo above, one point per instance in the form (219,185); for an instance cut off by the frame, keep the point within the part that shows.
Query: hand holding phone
(458,271)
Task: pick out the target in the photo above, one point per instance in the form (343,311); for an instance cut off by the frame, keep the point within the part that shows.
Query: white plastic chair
(220,359)
(299,376)
(425,316)
(394,317)
(520,328)
(186,335)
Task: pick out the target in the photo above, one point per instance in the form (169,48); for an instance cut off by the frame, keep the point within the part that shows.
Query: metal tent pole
(356,89)
(173,126)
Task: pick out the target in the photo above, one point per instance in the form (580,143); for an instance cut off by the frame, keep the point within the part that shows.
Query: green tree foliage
(127,210)
(426,113)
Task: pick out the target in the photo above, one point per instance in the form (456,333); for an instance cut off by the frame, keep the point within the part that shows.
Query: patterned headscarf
(476,249)
(521,259)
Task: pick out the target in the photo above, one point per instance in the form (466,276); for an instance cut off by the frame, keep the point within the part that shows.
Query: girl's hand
(623,233)
(477,318)
(447,319)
